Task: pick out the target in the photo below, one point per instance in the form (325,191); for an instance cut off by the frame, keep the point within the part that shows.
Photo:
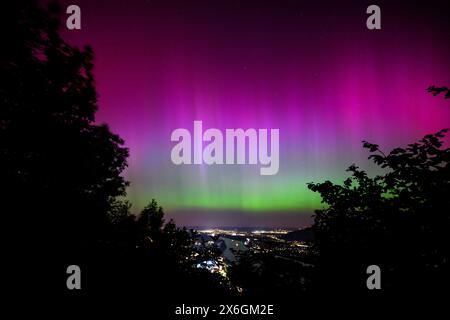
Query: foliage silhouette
(60,170)
(398,220)
(147,254)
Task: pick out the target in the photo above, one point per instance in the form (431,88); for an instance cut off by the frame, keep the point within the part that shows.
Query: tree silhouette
(60,170)
(149,255)
(398,220)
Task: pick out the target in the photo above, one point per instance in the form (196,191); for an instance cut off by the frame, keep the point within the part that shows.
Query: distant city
(231,243)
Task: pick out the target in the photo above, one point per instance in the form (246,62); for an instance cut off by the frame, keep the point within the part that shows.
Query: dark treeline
(63,198)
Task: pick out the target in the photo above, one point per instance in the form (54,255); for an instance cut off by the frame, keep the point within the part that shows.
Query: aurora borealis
(314,71)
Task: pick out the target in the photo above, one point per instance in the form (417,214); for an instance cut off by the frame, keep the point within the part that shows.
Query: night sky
(309,68)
